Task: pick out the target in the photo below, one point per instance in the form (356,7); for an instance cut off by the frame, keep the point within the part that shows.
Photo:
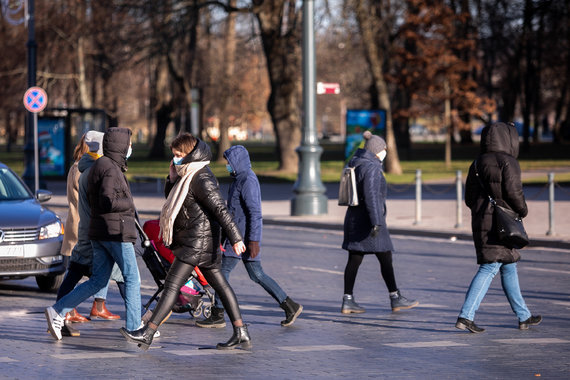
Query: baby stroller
(158,259)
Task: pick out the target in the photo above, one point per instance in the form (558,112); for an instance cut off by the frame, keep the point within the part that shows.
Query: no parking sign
(35,99)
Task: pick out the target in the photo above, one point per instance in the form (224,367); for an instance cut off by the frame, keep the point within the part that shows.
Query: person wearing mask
(495,173)
(365,228)
(112,232)
(76,241)
(190,223)
(244,203)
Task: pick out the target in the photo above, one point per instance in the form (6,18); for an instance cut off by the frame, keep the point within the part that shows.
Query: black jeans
(178,275)
(354,261)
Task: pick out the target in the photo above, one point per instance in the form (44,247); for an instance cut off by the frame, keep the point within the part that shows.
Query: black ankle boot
(240,338)
(292,311)
(142,337)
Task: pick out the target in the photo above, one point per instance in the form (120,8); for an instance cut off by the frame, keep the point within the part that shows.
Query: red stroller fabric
(152,229)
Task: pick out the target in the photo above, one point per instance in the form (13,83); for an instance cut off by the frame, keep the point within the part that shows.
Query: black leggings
(178,275)
(354,261)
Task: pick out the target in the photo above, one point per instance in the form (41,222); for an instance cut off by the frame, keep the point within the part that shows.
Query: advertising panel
(358,121)
(51,143)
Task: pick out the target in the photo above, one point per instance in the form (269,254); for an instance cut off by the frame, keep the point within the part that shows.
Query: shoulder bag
(507,224)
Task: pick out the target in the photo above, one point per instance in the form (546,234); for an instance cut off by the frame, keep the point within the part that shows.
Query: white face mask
(382,155)
(129,152)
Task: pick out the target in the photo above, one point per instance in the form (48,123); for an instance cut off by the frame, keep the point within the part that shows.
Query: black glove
(375,230)
(253,248)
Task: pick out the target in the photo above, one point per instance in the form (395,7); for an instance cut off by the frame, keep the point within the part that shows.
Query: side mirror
(43,195)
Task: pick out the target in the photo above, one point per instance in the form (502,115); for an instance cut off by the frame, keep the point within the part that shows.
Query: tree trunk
(164,107)
(229,70)
(375,57)
(283,64)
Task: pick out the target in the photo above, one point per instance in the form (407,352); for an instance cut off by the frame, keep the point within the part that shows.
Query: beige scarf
(176,198)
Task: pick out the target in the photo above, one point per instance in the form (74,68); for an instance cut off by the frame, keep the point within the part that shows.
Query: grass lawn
(426,157)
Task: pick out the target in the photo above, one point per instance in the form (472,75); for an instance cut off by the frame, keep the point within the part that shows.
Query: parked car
(30,234)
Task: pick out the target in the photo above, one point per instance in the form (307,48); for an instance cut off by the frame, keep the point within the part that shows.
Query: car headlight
(52,230)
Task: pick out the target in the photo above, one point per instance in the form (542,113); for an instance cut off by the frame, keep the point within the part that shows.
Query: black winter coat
(371,187)
(108,192)
(196,231)
(500,174)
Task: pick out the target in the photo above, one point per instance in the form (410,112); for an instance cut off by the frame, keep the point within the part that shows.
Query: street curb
(534,242)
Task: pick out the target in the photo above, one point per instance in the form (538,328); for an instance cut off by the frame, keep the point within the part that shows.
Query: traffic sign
(35,99)
(328,88)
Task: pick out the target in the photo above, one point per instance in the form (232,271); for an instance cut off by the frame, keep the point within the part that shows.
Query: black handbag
(507,224)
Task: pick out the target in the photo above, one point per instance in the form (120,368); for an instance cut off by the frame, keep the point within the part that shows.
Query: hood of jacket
(201,152)
(500,137)
(85,162)
(238,158)
(116,145)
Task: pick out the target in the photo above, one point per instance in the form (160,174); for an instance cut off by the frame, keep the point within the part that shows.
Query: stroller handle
(145,242)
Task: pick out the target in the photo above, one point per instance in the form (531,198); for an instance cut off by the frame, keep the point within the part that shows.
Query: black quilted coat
(196,231)
(108,192)
(501,176)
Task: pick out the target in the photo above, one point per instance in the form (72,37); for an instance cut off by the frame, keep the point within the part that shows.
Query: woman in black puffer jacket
(190,225)
(499,177)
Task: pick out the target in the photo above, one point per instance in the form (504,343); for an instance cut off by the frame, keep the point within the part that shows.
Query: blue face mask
(129,152)
(229,168)
(177,160)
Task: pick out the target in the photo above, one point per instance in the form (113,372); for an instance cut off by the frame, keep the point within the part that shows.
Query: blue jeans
(105,254)
(481,282)
(256,274)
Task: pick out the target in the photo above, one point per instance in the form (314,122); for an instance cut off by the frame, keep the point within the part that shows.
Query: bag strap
(481,183)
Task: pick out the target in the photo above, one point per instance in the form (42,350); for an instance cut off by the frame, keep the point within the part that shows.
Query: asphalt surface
(434,264)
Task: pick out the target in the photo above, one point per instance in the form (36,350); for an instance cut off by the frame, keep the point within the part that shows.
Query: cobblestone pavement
(323,343)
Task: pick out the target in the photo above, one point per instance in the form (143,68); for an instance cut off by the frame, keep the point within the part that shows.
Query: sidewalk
(438,216)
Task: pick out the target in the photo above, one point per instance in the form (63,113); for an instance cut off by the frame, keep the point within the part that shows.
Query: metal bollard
(459,191)
(550,231)
(418,196)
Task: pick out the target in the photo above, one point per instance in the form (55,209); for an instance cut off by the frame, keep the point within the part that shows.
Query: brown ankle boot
(75,317)
(99,310)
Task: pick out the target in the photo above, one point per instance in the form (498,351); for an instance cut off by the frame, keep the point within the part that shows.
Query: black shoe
(215,320)
(292,311)
(239,338)
(142,337)
(532,321)
(68,330)
(466,324)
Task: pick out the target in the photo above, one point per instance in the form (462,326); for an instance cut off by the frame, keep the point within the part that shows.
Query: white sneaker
(55,322)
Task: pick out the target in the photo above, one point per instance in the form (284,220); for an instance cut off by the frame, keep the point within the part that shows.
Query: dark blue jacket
(371,211)
(244,200)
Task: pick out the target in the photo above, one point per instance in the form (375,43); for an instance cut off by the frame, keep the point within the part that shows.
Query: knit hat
(94,140)
(374,144)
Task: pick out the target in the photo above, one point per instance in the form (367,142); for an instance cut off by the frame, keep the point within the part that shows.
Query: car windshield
(11,188)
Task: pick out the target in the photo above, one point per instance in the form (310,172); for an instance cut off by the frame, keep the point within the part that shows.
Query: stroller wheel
(207,311)
(197,311)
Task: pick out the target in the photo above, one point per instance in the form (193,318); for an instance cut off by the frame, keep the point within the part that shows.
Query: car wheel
(49,283)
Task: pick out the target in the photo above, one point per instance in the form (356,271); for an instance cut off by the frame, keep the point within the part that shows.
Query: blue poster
(358,121)
(51,146)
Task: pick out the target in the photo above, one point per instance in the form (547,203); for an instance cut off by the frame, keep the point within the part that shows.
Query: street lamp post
(309,191)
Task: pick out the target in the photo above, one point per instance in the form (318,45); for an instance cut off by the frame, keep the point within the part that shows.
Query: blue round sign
(35,99)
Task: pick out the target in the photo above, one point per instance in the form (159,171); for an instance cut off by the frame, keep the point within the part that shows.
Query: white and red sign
(328,88)
(35,99)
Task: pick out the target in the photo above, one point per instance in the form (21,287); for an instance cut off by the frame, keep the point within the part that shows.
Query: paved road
(323,343)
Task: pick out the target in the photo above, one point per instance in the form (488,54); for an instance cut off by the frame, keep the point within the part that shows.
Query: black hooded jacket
(500,174)
(196,232)
(108,192)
